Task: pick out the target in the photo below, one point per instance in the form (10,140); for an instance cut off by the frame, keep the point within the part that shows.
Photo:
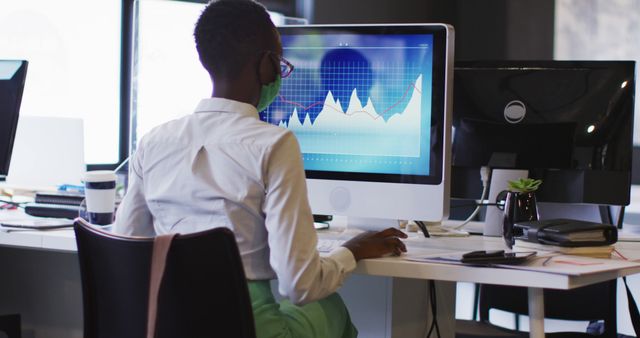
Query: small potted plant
(524,185)
(520,205)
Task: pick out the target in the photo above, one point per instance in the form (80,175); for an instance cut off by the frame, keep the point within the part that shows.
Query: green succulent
(524,185)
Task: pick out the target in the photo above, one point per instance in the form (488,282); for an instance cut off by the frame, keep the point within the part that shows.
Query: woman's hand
(373,244)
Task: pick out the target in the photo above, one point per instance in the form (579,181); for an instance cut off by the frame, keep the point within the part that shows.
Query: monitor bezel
(439,57)
(18,79)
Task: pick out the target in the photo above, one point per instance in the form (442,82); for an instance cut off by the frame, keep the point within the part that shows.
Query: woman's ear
(266,69)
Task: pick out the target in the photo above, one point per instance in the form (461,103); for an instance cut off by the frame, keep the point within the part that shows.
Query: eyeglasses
(286,68)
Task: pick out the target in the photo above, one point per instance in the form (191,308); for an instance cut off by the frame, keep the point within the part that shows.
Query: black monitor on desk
(12,79)
(570,123)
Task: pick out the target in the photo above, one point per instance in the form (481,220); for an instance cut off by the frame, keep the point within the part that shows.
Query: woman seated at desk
(223,167)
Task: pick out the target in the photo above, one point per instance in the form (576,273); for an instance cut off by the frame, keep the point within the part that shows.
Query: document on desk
(12,221)
(544,262)
(35,224)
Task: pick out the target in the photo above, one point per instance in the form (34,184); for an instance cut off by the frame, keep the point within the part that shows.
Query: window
(168,79)
(74,51)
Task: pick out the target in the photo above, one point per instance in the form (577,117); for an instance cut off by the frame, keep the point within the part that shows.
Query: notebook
(36,224)
(603,251)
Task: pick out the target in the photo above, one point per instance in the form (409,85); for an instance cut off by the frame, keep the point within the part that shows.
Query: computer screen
(12,79)
(368,105)
(570,123)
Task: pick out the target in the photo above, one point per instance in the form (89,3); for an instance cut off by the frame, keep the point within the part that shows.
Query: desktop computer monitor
(12,79)
(569,123)
(369,105)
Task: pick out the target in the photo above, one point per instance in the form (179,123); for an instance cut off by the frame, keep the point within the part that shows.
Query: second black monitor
(567,122)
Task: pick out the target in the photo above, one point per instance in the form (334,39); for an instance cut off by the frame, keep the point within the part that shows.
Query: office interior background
(114,63)
(127,66)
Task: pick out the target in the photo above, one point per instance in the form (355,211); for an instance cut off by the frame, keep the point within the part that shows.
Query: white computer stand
(499,182)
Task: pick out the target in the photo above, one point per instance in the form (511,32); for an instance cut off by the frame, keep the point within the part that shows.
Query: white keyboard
(327,245)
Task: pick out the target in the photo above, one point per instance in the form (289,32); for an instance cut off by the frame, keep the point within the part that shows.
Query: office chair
(203,294)
(10,325)
(589,303)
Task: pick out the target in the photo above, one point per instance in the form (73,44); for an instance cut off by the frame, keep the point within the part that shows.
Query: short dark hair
(231,32)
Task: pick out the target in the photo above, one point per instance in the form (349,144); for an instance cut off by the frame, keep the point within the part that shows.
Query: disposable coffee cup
(100,196)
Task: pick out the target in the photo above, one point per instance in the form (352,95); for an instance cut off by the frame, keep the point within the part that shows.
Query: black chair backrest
(203,294)
(593,302)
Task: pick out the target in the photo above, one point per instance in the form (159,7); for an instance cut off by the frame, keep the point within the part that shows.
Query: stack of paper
(603,251)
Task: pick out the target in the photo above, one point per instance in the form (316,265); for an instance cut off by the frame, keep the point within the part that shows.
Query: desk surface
(64,240)
(57,240)
(398,267)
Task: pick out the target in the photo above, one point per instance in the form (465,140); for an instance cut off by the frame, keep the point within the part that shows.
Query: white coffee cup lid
(99,176)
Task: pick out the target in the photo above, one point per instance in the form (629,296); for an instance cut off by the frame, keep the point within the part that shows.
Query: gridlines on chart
(340,117)
(361,111)
(387,84)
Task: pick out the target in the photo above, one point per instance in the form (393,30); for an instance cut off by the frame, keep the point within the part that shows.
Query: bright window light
(73,49)
(169,80)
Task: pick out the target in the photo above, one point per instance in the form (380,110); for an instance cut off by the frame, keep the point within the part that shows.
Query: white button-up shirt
(224,167)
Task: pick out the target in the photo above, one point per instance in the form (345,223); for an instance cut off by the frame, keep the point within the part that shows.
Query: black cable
(434,309)
(476,205)
(14,204)
(620,217)
(423,228)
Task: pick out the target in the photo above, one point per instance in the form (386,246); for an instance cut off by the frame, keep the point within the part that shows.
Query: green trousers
(326,318)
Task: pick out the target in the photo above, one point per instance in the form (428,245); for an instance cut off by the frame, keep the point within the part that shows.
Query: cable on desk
(423,228)
(620,255)
(485,174)
(497,204)
(434,310)
(11,205)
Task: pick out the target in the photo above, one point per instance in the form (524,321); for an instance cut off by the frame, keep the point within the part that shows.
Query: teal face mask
(268,93)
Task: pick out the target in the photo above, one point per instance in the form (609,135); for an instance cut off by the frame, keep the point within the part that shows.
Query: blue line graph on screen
(358,103)
(360,129)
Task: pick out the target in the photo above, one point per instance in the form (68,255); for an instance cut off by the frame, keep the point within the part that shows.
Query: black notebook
(52,210)
(566,232)
(60,197)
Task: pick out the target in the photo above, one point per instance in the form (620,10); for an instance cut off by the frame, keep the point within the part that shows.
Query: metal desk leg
(536,312)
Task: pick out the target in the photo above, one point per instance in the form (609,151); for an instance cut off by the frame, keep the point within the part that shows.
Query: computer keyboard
(327,245)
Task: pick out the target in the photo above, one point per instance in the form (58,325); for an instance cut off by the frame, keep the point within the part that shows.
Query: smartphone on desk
(496,257)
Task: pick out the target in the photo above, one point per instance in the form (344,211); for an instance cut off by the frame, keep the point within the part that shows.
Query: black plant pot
(519,207)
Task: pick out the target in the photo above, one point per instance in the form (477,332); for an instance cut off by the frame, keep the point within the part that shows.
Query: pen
(423,227)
